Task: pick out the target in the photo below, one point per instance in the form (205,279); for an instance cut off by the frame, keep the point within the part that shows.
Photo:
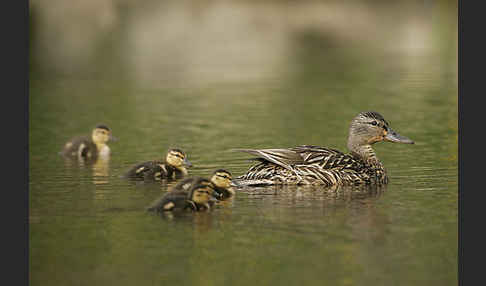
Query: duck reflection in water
(101,171)
(328,195)
(201,221)
(100,167)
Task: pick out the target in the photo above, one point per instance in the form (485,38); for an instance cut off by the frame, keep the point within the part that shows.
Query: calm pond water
(87,226)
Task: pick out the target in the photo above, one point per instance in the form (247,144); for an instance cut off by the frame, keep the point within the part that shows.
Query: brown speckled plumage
(314,165)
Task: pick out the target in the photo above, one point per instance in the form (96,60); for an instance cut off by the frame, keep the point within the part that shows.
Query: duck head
(101,134)
(221,178)
(201,192)
(177,159)
(370,127)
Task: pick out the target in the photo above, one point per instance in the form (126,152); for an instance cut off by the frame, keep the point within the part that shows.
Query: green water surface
(87,226)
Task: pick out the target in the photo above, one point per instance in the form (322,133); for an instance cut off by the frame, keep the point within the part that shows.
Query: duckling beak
(187,163)
(112,138)
(235,183)
(394,137)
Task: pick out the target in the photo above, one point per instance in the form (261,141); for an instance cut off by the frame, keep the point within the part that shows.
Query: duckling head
(201,192)
(221,178)
(370,127)
(101,134)
(177,159)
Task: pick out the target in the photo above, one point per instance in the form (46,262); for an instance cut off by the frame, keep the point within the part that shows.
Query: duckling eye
(177,155)
(374,123)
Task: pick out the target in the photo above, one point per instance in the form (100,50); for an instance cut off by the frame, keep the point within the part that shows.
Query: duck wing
(311,154)
(282,157)
(328,158)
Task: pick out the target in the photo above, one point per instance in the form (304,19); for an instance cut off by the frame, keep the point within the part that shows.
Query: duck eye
(374,123)
(177,155)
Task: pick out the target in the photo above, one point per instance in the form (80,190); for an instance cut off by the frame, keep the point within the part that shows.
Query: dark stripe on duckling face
(177,151)
(177,158)
(101,135)
(201,192)
(107,131)
(102,126)
(197,182)
(222,171)
(221,178)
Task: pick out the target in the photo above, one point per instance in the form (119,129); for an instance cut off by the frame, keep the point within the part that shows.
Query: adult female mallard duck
(196,198)
(325,166)
(174,167)
(220,180)
(89,147)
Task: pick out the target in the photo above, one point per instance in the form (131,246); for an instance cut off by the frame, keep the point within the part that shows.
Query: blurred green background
(209,76)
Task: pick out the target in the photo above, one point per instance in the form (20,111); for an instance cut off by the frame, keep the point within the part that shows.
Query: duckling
(316,165)
(85,147)
(197,198)
(174,167)
(220,180)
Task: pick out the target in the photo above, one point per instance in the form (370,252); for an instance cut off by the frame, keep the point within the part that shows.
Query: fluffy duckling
(197,198)
(174,167)
(85,147)
(220,180)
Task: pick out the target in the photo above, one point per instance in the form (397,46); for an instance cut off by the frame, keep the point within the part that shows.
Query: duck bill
(394,137)
(187,163)
(235,183)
